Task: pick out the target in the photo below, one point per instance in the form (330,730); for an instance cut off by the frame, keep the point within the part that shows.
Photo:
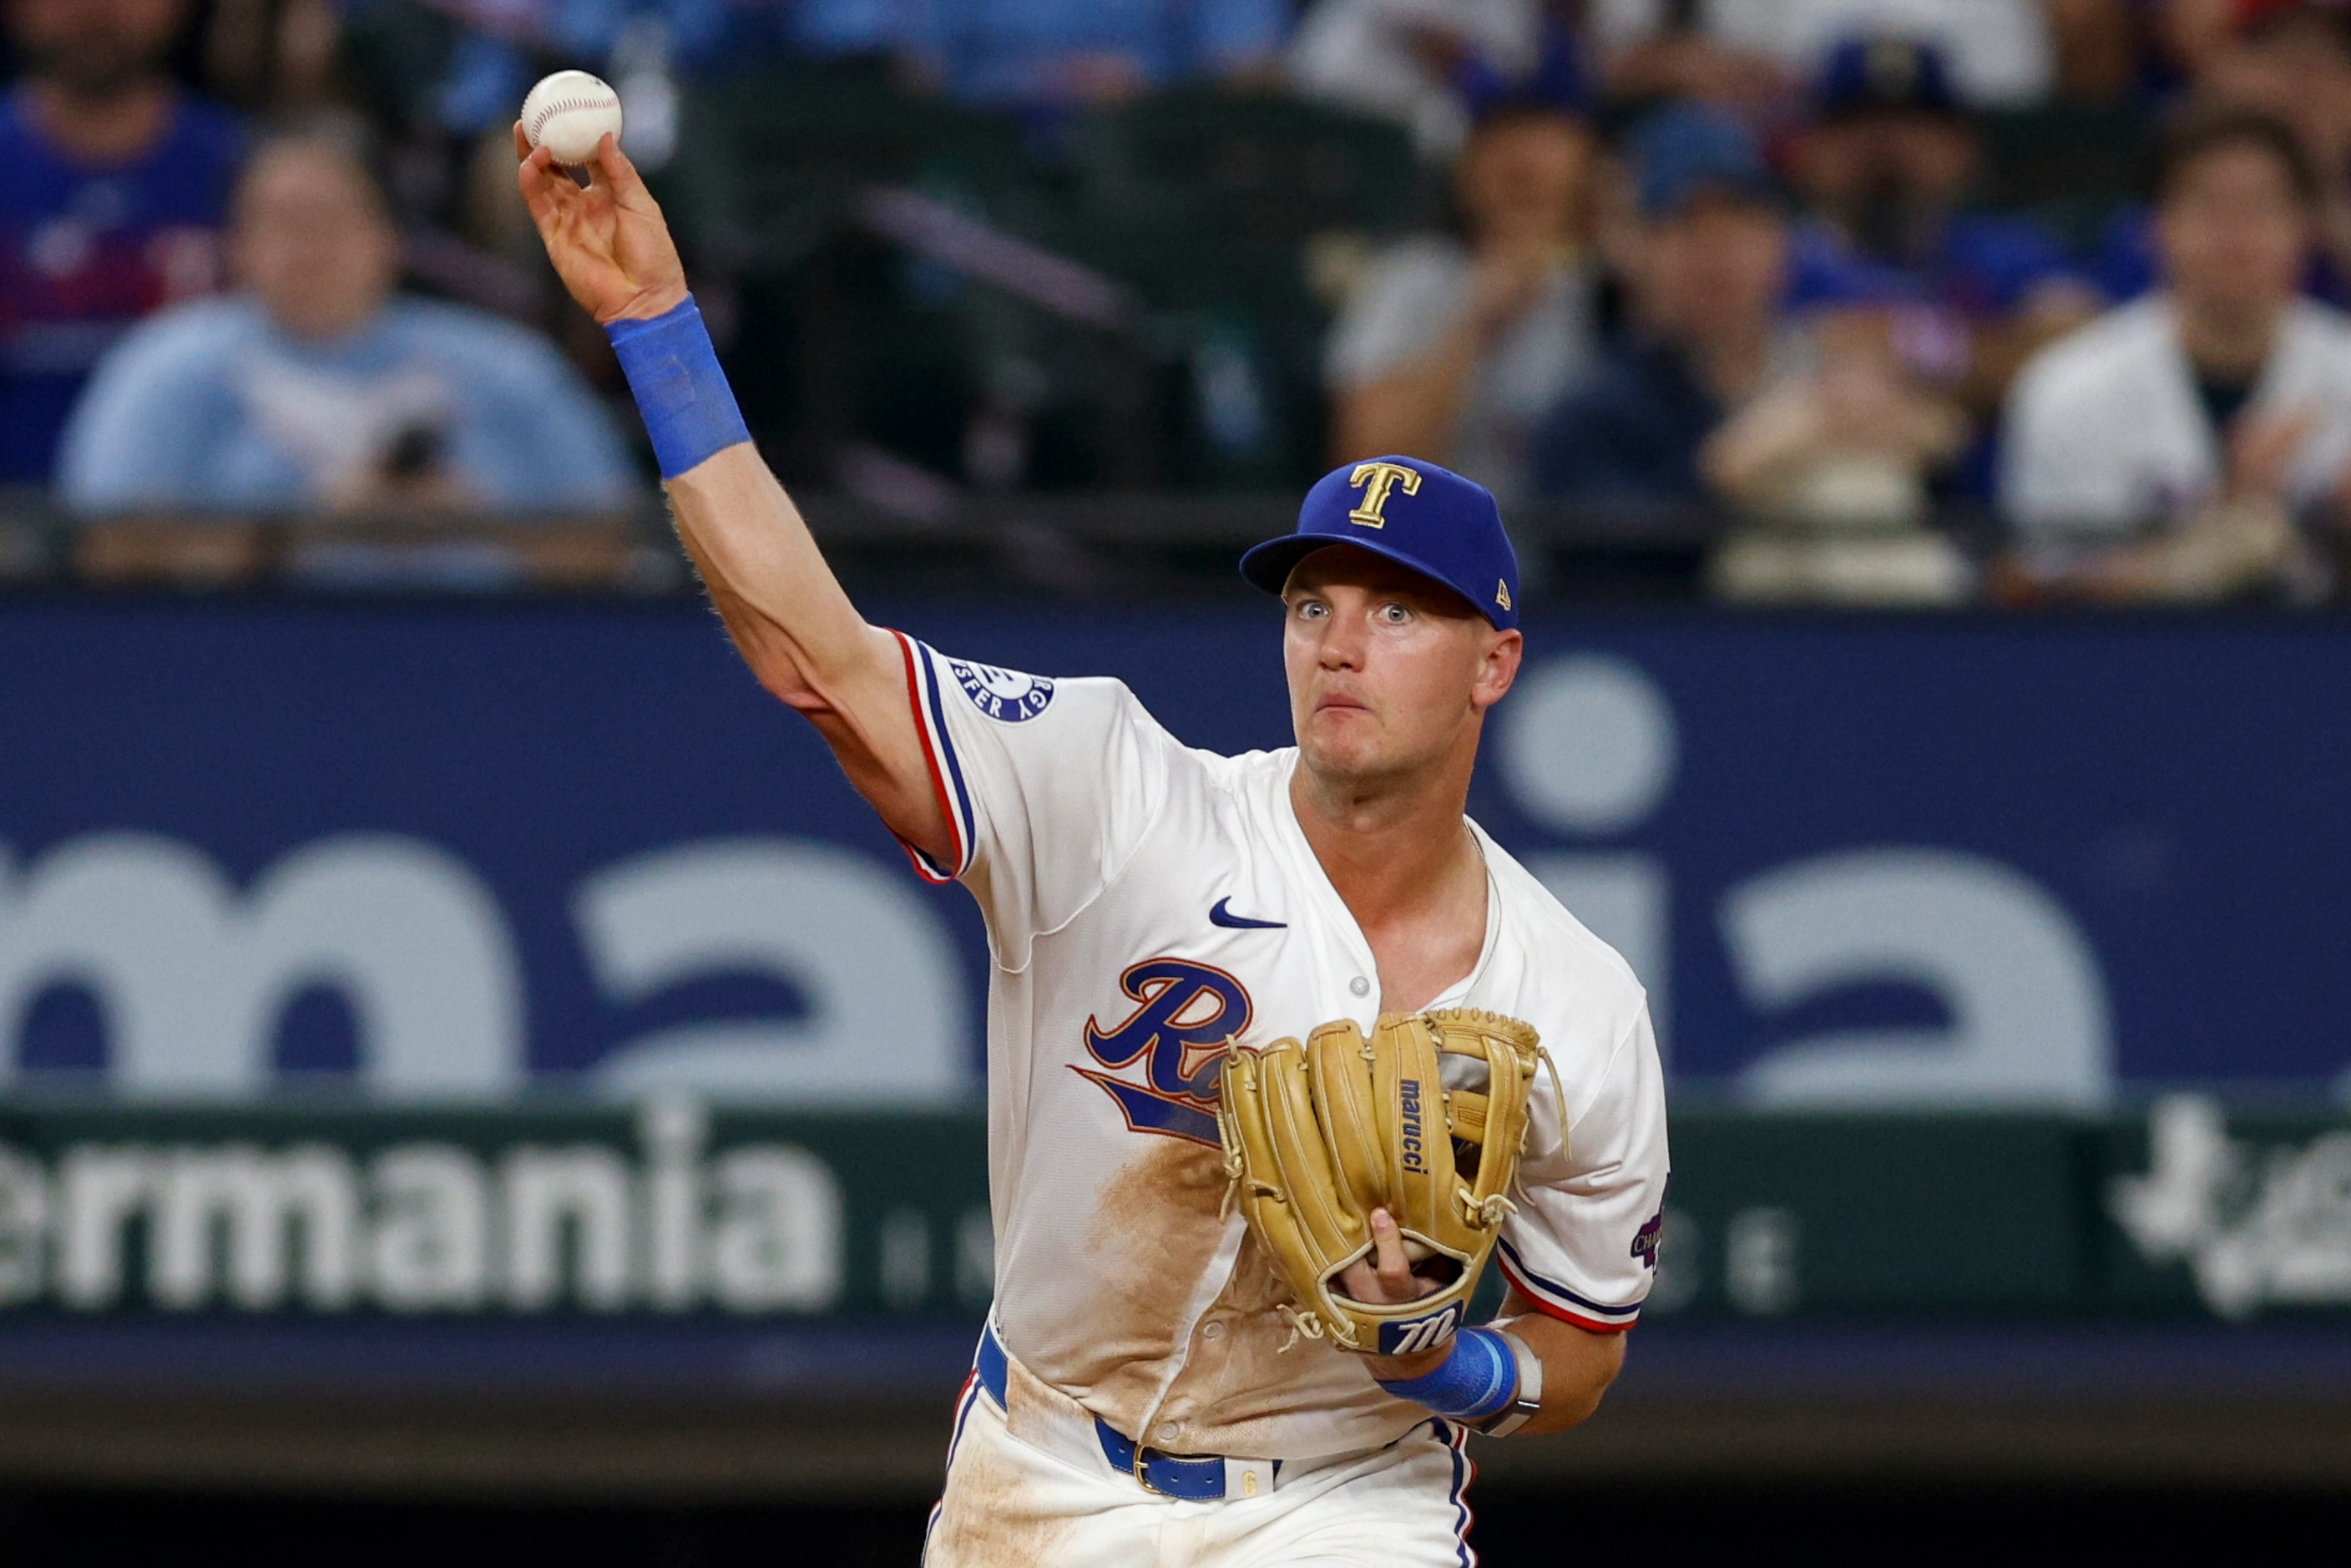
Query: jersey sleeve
(1582,1246)
(1049,786)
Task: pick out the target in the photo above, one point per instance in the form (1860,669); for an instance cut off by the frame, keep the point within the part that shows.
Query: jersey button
(1360,986)
(1168,1431)
(1212,1330)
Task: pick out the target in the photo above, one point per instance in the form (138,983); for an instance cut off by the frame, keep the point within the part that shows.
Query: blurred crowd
(1901,300)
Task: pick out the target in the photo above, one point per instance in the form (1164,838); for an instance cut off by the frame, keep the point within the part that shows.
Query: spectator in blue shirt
(1053,51)
(1885,170)
(318,388)
(113,185)
(1709,267)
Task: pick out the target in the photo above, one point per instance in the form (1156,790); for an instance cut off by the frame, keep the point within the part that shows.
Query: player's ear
(1498,668)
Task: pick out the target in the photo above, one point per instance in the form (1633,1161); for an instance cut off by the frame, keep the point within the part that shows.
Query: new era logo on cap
(1417,515)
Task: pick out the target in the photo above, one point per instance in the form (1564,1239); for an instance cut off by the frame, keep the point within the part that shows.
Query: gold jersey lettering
(1379,481)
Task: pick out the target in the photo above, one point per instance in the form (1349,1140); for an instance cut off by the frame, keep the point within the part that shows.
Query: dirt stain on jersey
(1157,1231)
(990,1517)
(1255,1379)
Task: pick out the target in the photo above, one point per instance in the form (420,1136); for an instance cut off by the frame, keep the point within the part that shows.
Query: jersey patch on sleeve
(1646,1240)
(1008,696)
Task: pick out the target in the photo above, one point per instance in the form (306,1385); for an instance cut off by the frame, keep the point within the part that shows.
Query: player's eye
(1313,609)
(1395,614)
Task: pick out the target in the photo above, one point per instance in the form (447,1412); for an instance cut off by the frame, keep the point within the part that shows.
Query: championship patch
(1004,695)
(1646,1240)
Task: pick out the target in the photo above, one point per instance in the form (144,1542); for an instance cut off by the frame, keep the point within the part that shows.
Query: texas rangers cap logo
(1378,481)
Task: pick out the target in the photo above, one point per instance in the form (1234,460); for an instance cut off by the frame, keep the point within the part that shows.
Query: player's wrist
(672,369)
(1402,1368)
(1478,1378)
(647,305)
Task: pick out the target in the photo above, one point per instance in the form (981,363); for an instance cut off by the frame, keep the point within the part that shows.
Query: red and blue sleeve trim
(939,755)
(1554,1300)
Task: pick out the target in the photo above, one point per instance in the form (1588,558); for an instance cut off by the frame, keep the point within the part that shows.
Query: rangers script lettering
(1189,1013)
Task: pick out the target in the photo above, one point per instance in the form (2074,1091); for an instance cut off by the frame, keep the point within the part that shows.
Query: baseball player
(1142,1395)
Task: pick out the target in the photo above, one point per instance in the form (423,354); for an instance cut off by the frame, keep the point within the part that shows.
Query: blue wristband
(689,410)
(1478,1379)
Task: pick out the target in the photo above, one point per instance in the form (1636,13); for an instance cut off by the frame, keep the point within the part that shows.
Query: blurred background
(475,1087)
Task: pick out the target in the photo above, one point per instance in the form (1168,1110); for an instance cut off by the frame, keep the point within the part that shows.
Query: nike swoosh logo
(1224,916)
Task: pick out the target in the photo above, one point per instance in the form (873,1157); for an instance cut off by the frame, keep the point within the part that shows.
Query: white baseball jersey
(1147,903)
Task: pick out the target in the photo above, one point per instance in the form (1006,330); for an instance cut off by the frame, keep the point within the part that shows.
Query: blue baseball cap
(1555,84)
(1417,515)
(1884,76)
(1686,152)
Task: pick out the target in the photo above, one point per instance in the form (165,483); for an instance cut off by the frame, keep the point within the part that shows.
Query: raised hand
(609,242)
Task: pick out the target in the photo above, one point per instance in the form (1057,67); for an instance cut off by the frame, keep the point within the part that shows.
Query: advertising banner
(671,1214)
(489,854)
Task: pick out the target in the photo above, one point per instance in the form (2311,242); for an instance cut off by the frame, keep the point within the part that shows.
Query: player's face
(1390,673)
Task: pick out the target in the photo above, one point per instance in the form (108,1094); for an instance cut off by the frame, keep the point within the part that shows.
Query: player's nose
(1343,644)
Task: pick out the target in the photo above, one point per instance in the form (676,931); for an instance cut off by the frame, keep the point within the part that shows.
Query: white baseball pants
(1013,1504)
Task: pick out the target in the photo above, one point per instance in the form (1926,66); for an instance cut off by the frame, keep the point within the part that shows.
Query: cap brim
(1269,565)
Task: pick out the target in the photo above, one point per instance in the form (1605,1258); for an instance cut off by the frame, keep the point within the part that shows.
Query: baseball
(568,113)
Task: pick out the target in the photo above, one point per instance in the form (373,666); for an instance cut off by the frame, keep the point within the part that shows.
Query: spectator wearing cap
(1707,262)
(1454,345)
(2167,450)
(1884,167)
(113,183)
(318,388)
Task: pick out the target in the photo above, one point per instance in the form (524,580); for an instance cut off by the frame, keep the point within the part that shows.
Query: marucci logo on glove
(1427,1334)
(1411,1093)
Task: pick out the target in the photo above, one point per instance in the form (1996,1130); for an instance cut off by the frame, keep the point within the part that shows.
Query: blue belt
(1191,1478)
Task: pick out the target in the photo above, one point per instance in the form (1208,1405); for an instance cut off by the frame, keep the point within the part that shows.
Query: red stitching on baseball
(539,123)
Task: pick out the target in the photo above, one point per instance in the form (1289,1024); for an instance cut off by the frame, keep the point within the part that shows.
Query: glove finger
(1334,1226)
(1347,1103)
(1410,1087)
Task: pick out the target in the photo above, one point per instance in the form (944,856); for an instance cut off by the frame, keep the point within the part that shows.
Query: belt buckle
(1140,1468)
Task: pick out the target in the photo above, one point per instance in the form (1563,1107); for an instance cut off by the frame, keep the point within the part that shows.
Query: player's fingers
(522,144)
(537,164)
(532,183)
(545,187)
(614,170)
(613,167)
(1393,1268)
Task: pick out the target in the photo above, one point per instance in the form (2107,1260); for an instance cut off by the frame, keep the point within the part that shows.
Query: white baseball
(568,113)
